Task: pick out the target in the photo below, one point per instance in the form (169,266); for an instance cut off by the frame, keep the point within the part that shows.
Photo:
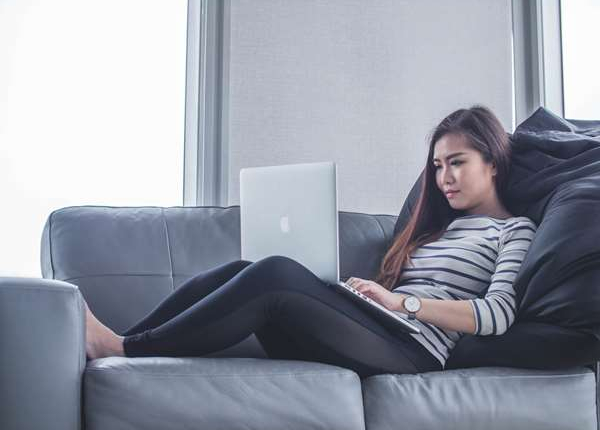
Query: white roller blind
(360,83)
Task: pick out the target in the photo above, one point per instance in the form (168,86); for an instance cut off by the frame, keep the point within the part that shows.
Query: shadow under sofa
(124,260)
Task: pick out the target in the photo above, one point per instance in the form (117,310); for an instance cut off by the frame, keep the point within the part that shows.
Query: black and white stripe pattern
(477,259)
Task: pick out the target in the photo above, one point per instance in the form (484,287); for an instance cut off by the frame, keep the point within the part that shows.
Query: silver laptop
(292,210)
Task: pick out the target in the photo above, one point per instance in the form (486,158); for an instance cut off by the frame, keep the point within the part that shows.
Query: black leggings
(294,314)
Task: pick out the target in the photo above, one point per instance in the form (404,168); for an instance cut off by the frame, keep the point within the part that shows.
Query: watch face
(412,304)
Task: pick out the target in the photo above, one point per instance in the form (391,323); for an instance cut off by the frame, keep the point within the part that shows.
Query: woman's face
(460,168)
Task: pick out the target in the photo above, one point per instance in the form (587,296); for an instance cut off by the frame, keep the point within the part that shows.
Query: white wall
(360,83)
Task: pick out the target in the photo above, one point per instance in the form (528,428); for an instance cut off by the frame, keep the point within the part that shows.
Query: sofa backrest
(125,260)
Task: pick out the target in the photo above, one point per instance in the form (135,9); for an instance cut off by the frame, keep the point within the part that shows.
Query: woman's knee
(278,262)
(242,263)
(279,271)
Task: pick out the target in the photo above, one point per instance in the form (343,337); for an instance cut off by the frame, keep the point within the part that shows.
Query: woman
(455,261)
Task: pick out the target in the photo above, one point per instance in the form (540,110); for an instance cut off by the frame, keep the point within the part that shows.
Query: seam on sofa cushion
(460,378)
(385,239)
(81,362)
(139,207)
(69,290)
(168,247)
(50,244)
(596,374)
(115,274)
(225,375)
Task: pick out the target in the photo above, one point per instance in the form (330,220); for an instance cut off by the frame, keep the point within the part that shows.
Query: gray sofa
(124,260)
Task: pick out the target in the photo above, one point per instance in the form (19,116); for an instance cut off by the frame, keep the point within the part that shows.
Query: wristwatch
(412,304)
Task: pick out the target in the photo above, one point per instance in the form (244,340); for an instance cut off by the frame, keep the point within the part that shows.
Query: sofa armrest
(42,354)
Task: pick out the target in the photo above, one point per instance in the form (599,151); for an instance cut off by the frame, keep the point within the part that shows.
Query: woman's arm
(456,315)
(494,313)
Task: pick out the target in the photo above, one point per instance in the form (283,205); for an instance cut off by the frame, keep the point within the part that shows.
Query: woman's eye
(454,163)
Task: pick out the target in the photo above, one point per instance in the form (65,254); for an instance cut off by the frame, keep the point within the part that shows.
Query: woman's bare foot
(100,340)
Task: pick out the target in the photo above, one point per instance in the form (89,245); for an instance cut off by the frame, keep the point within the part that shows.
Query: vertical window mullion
(205,159)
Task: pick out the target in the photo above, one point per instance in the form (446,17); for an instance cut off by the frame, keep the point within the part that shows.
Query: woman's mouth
(451,194)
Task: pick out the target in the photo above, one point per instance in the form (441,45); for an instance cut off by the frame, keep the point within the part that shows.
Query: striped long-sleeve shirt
(476,259)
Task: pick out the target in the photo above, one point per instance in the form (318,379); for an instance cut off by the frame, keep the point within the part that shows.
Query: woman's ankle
(117,346)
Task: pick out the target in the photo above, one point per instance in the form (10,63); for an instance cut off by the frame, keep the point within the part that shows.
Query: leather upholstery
(492,398)
(125,260)
(220,393)
(42,354)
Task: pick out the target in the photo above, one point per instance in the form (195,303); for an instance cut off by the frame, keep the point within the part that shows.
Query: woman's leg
(187,294)
(279,296)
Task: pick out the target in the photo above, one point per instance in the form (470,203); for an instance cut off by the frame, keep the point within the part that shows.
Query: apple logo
(284,223)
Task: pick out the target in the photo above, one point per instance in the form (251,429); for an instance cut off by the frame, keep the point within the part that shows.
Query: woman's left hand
(392,301)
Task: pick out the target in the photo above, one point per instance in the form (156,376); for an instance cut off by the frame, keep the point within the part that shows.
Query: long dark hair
(432,214)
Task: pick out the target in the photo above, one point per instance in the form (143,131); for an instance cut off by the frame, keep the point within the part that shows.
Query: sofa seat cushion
(219,393)
(482,398)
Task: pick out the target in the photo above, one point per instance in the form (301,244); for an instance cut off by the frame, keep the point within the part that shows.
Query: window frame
(537,51)
(206,159)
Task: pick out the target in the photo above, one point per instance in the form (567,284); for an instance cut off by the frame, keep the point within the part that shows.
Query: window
(92,100)
(581,65)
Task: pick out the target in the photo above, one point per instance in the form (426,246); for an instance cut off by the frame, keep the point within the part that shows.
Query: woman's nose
(447,176)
